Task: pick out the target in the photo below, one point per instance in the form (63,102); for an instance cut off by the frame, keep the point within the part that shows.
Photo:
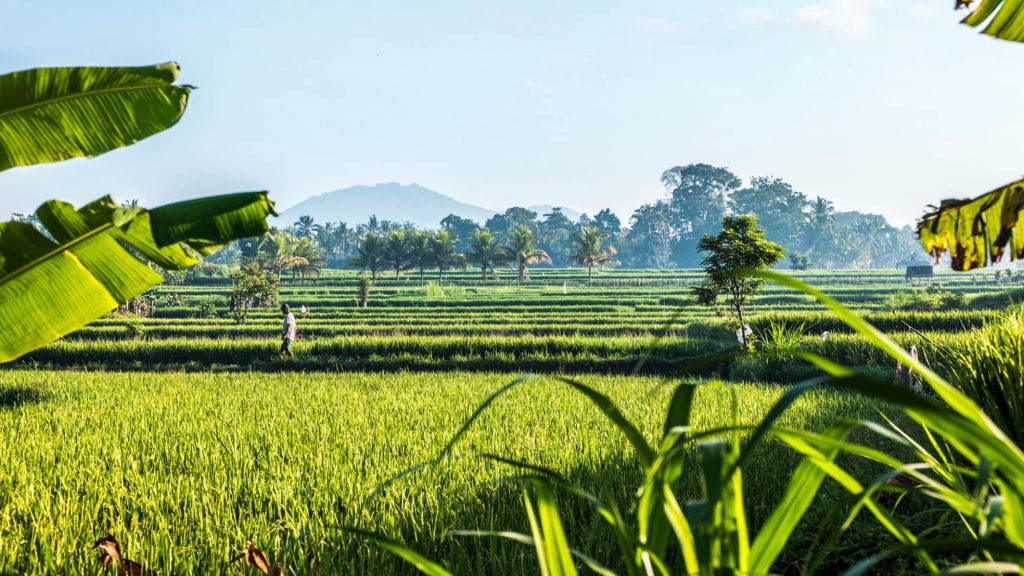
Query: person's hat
(285,307)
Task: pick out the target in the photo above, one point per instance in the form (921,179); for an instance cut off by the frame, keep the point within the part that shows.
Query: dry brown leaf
(112,554)
(255,557)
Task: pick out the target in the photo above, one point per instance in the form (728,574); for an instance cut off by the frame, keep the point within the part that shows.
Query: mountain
(392,201)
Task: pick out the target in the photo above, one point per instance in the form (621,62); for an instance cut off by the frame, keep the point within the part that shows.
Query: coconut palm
(397,251)
(485,250)
(370,254)
(443,252)
(522,249)
(821,230)
(420,253)
(587,250)
(308,250)
(278,253)
(305,227)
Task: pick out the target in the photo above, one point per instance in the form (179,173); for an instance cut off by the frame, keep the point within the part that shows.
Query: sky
(882,106)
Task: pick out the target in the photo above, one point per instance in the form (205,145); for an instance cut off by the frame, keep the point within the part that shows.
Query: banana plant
(1002,18)
(52,284)
(977,232)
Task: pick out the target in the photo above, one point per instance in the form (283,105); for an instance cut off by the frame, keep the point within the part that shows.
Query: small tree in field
(741,245)
(252,287)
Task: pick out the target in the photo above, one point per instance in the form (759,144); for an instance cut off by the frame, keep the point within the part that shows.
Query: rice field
(186,436)
(185,467)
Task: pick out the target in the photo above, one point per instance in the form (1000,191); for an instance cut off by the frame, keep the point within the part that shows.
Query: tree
(252,287)
(522,249)
(397,251)
(697,194)
(370,255)
(485,251)
(420,251)
(305,227)
(501,224)
(587,250)
(462,230)
(650,235)
(741,245)
(607,221)
(778,208)
(820,237)
(555,236)
(443,252)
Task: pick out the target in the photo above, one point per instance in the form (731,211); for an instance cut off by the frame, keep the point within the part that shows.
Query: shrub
(134,329)
(207,309)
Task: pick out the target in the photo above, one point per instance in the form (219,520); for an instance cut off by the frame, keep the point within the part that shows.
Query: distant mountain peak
(393,201)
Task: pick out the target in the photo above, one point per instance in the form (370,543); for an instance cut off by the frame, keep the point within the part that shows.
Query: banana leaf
(977,232)
(52,114)
(51,286)
(1002,18)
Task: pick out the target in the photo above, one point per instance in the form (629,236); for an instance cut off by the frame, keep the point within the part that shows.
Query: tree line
(662,234)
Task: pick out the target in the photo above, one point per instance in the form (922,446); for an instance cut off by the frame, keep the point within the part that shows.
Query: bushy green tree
(252,287)
(741,245)
(697,197)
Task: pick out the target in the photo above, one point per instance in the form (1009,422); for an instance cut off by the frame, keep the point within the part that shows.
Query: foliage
(697,198)
(486,251)
(522,250)
(207,309)
(252,287)
(933,298)
(798,261)
(588,250)
(365,284)
(988,367)
(977,232)
(134,329)
(1004,18)
(53,287)
(370,254)
(52,114)
(87,262)
(740,246)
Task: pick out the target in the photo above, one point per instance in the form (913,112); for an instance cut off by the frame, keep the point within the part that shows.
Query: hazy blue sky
(878,105)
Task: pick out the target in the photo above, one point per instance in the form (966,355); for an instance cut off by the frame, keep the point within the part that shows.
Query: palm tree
(279,253)
(307,249)
(485,250)
(821,224)
(587,251)
(522,249)
(420,253)
(443,252)
(369,254)
(397,251)
(305,227)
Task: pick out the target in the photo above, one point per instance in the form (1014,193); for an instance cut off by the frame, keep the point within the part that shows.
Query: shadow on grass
(16,397)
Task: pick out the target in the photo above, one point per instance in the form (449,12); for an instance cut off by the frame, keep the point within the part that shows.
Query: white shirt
(289,326)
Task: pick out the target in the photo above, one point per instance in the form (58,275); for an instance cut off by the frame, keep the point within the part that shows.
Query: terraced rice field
(186,436)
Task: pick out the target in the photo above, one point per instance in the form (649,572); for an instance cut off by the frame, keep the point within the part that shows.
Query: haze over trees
(662,234)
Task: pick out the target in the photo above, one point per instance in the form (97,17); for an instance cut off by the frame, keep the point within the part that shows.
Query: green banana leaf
(52,114)
(1004,18)
(51,287)
(977,232)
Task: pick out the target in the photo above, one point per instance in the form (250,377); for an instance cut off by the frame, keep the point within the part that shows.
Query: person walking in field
(288,336)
